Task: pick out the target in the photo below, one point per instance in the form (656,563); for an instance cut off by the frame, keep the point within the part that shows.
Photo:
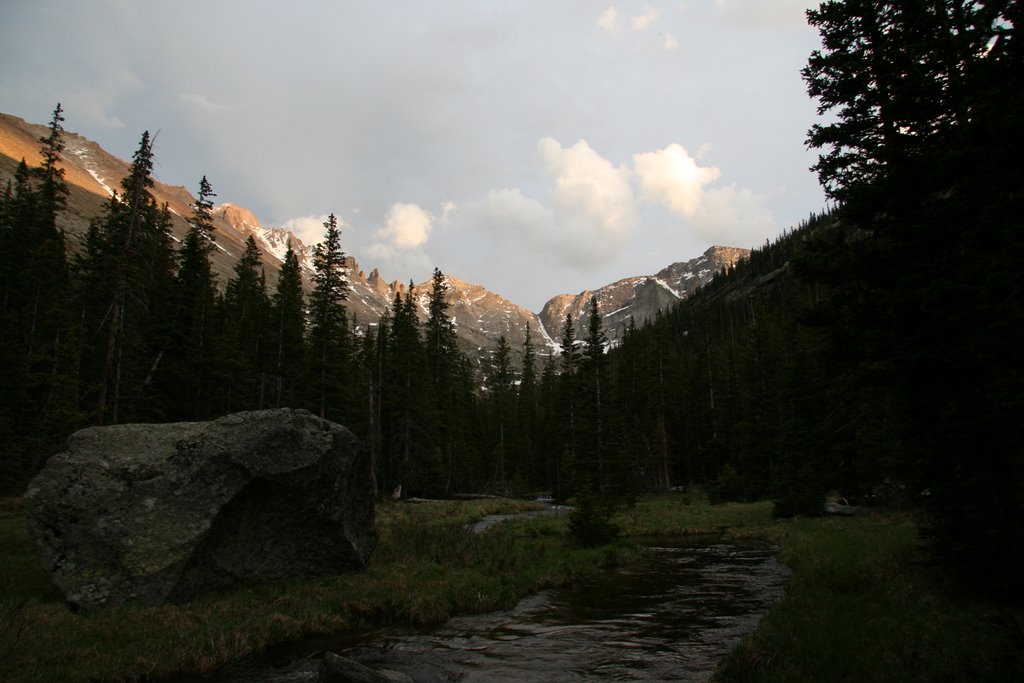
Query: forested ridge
(872,351)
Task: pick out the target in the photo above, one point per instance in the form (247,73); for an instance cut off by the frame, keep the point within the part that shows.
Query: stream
(669,617)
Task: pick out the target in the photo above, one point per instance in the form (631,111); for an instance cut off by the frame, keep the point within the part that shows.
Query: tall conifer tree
(128,263)
(37,331)
(527,414)
(245,313)
(287,329)
(922,150)
(194,316)
(328,331)
(595,380)
(448,416)
(500,384)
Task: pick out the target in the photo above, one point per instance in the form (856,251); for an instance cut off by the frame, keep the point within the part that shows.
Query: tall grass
(862,605)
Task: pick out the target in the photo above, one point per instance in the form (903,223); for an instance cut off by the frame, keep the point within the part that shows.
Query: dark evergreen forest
(872,352)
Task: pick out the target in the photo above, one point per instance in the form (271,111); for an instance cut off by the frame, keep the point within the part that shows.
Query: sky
(534,147)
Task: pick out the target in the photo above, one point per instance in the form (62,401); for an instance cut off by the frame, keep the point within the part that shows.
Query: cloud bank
(590,212)
(595,208)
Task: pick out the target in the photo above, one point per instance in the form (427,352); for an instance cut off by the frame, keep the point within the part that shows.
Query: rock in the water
(148,513)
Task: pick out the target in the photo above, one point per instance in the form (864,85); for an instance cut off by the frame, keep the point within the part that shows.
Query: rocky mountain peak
(638,298)
(480,316)
(238,217)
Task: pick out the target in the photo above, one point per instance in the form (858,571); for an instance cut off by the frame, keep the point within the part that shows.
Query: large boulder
(149,513)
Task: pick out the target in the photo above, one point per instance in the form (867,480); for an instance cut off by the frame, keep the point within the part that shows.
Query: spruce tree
(923,154)
(568,387)
(287,330)
(37,335)
(500,384)
(125,280)
(194,315)
(440,330)
(526,412)
(328,330)
(595,384)
(368,367)
(244,322)
(409,458)
(53,190)
(448,420)
(46,271)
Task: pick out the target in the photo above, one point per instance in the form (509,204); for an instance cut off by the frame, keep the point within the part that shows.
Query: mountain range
(480,316)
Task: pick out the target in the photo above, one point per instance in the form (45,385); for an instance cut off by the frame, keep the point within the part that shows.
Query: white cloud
(673,177)
(309,229)
(587,185)
(408,226)
(592,211)
(399,242)
(669,43)
(585,222)
(644,20)
(609,19)
(724,215)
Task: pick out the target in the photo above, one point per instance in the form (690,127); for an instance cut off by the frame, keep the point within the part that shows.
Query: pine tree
(46,272)
(443,356)
(287,329)
(369,365)
(595,383)
(328,330)
(194,315)
(440,330)
(924,159)
(527,414)
(43,276)
(597,493)
(500,384)
(548,430)
(409,458)
(37,336)
(244,313)
(567,457)
(125,280)
(53,190)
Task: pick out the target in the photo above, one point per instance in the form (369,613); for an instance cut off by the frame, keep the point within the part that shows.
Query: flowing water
(670,617)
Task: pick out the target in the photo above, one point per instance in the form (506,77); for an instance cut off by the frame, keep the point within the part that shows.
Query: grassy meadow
(859,606)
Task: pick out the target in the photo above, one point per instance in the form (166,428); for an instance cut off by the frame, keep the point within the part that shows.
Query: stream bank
(670,616)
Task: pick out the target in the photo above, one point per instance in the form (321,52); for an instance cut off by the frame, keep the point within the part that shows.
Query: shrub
(590,522)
